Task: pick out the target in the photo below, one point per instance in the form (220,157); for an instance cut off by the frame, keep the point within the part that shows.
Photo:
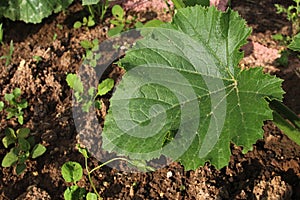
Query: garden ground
(270,171)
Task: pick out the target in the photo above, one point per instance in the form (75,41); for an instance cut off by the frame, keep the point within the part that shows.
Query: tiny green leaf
(9,97)
(9,159)
(95,42)
(10,137)
(20,119)
(74,82)
(83,151)
(115,31)
(6,141)
(91,196)
(71,171)
(86,106)
(77,24)
(91,21)
(38,150)
(118,12)
(1,105)
(23,132)
(105,86)
(20,168)
(115,22)
(74,192)
(17,92)
(31,140)
(24,144)
(86,44)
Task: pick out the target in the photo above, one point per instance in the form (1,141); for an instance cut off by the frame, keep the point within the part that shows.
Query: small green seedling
(91,52)
(24,148)
(8,57)
(87,100)
(16,105)
(86,21)
(120,21)
(72,172)
(54,37)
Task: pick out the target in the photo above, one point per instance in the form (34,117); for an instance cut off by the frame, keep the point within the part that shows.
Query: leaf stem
(283,110)
(287,128)
(96,168)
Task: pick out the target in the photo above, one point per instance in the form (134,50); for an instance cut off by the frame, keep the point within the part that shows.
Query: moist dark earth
(270,171)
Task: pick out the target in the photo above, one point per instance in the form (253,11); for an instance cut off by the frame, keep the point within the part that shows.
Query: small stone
(169,174)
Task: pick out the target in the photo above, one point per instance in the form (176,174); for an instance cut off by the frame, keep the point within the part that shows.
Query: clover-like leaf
(183,95)
(71,171)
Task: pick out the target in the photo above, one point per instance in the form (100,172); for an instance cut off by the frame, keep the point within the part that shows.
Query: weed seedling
(16,105)
(91,52)
(24,148)
(72,172)
(87,100)
(86,21)
(119,21)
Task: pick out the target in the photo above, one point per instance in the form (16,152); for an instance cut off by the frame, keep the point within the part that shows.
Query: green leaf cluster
(87,100)
(15,105)
(91,52)
(86,21)
(121,23)
(24,148)
(72,172)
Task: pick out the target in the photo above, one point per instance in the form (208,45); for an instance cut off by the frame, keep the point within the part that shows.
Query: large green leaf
(183,95)
(31,11)
(295,44)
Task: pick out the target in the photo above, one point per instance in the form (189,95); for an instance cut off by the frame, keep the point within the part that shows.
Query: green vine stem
(285,112)
(96,168)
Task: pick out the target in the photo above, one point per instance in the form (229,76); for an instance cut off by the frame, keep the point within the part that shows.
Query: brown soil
(270,171)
